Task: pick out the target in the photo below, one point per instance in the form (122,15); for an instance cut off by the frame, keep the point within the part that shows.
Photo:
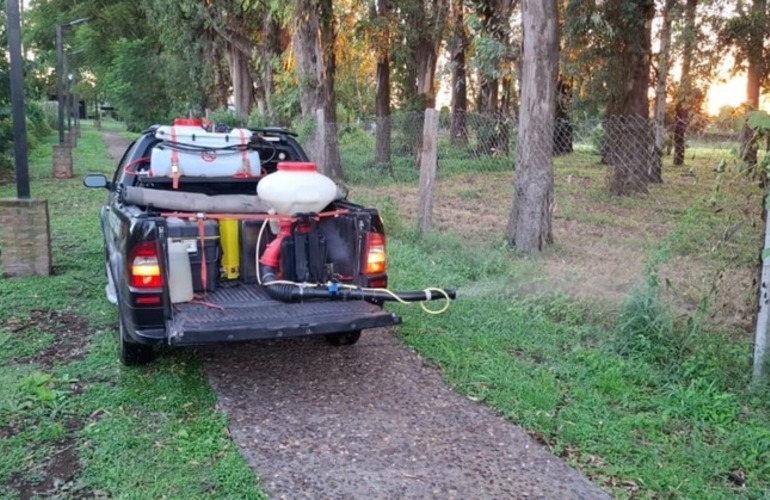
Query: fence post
(428,160)
(763,317)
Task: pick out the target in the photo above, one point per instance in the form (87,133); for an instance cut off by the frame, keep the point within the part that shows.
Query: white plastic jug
(180,283)
(297,187)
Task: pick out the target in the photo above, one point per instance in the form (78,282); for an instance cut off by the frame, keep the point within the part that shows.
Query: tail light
(376,259)
(143,265)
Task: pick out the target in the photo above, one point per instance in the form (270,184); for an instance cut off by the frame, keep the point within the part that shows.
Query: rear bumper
(247,313)
(209,334)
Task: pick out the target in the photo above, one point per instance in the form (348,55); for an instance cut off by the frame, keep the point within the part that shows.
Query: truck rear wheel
(343,338)
(131,353)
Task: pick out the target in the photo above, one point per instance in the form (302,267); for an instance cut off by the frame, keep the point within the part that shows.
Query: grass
(648,400)
(73,421)
(635,370)
(644,405)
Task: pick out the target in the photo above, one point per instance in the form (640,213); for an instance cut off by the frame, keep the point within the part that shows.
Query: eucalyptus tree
(421,30)
(749,33)
(380,19)
(495,55)
(661,82)
(459,83)
(628,132)
(313,40)
(529,226)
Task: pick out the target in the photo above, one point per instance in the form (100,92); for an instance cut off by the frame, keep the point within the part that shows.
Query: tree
(685,92)
(458,132)
(748,33)
(529,226)
(316,77)
(660,90)
(628,134)
(494,61)
(380,18)
(421,28)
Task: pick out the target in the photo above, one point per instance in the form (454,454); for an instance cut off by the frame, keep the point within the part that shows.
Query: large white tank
(296,187)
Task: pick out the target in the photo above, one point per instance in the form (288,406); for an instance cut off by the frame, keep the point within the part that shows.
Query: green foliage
(38,129)
(137,433)
(598,138)
(637,422)
(226,117)
(135,84)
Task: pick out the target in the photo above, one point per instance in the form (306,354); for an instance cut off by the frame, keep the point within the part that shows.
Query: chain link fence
(692,198)
(380,150)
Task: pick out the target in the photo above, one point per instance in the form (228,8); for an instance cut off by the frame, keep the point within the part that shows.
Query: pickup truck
(326,276)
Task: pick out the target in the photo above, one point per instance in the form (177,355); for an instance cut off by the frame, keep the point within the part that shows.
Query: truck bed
(237,311)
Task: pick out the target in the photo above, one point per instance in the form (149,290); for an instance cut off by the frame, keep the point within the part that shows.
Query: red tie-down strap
(202,239)
(175,172)
(245,163)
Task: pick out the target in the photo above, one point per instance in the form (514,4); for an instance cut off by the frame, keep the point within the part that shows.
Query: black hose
(295,293)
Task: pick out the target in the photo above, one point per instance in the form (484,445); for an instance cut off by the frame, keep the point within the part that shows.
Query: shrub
(37,121)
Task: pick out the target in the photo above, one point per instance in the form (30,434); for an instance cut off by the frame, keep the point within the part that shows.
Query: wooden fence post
(428,161)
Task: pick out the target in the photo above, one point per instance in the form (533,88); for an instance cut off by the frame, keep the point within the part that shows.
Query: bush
(226,117)
(37,121)
(51,111)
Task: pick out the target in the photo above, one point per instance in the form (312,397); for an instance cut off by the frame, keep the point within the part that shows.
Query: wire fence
(377,150)
(693,197)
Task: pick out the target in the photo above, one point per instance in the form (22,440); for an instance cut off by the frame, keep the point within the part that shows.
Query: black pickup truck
(329,276)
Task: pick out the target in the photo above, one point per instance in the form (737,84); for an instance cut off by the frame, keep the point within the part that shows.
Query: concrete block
(25,237)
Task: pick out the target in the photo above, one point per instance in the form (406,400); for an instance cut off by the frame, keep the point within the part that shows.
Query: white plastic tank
(180,282)
(297,187)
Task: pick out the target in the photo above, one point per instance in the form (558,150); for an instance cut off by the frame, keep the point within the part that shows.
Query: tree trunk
(628,134)
(429,26)
(529,227)
(563,131)
(659,119)
(270,50)
(382,99)
(754,78)
(314,88)
(328,41)
(458,133)
(221,83)
(243,85)
(685,90)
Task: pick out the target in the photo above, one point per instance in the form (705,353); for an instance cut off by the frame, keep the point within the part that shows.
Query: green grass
(643,405)
(646,403)
(152,432)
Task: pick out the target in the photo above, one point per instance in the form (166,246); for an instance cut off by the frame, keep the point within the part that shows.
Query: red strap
(202,238)
(174,161)
(245,163)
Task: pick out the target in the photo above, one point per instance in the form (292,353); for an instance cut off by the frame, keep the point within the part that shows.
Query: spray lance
(297,187)
(333,290)
(290,291)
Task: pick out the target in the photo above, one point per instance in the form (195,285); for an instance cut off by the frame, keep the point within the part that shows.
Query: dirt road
(371,421)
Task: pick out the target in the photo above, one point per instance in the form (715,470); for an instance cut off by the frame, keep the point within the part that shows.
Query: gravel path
(371,421)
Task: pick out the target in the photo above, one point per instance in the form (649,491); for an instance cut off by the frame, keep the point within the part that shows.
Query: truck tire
(131,353)
(343,338)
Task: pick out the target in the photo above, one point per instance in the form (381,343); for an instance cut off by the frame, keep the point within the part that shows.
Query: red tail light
(376,258)
(144,267)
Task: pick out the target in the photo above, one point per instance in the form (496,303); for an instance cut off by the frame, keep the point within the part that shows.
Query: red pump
(271,257)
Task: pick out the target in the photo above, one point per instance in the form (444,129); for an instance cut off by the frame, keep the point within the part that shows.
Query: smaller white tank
(180,283)
(297,187)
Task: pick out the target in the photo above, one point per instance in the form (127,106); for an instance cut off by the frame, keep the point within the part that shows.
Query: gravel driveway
(371,421)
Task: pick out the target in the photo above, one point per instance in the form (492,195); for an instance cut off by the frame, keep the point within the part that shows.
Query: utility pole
(17,100)
(25,235)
